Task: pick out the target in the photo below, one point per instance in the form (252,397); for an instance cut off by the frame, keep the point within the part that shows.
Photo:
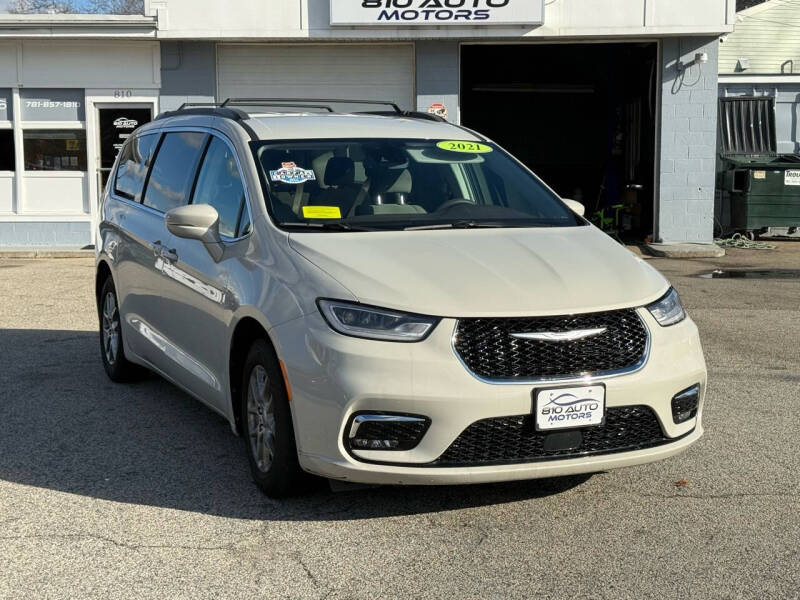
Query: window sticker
(464,147)
(322,212)
(292,174)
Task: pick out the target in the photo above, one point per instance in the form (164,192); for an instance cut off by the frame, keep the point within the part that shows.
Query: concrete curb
(45,253)
(685,250)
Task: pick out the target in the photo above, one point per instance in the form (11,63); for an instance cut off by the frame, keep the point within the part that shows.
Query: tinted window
(220,185)
(133,165)
(6,150)
(174,169)
(54,150)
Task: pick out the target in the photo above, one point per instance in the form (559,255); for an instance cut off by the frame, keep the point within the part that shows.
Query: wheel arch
(102,273)
(247,331)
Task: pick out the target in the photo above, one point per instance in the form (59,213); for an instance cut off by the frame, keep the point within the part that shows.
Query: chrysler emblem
(560,336)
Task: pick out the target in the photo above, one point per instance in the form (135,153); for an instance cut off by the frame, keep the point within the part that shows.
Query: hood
(485,272)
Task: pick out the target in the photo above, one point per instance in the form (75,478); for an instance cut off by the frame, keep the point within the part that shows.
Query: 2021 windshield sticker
(464,147)
(292,174)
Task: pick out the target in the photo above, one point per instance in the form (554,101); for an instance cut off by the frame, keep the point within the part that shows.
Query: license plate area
(569,407)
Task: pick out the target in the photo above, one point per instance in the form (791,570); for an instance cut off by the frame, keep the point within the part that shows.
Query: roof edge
(63,20)
(759,8)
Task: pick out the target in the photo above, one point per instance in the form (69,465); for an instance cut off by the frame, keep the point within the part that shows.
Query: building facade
(761,59)
(612,102)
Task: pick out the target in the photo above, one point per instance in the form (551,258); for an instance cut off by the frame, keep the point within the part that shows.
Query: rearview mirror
(196,222)
(575,206)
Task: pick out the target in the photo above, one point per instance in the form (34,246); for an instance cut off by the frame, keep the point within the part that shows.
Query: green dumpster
(759,192)
(757,187)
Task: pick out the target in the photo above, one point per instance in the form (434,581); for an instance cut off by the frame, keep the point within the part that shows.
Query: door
(201,305)
(115,126)
(364,72)
(150,301)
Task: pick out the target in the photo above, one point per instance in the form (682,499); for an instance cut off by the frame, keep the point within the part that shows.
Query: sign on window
(52,105)
(413,13)
(5,105)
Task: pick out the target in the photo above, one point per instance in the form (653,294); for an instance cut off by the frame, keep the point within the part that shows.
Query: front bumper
(333,376)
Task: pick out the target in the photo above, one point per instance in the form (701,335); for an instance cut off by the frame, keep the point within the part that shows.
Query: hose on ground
(737,240)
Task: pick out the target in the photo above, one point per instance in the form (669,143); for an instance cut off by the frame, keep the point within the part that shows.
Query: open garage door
(582,116)
(363,72)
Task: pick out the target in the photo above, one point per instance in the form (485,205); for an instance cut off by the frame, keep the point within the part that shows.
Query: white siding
(365,72)
(241,20)
(769,36)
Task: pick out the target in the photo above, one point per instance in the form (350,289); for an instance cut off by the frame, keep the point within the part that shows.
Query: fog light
(685,404)
(384,431)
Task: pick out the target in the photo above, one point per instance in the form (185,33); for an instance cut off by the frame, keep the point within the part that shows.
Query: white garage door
(361,72)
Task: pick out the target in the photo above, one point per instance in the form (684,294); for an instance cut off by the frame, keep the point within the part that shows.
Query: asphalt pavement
(138,491)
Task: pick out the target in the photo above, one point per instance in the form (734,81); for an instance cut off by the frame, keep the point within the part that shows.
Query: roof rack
(228,108)
(307,102)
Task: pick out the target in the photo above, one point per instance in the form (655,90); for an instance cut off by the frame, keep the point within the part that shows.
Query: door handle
(161,251)
(169,254)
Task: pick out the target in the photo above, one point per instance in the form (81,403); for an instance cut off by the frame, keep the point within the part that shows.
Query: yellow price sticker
(465,147)
(322,212)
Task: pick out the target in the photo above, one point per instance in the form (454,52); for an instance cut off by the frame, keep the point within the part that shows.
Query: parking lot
(138,491)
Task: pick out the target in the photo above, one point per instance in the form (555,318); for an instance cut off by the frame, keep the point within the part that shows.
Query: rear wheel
(267,425)
(117,366)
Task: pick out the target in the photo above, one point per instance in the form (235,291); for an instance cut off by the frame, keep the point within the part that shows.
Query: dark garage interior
(581,116)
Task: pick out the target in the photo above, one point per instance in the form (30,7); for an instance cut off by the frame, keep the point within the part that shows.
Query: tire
(267,429)
(112,351)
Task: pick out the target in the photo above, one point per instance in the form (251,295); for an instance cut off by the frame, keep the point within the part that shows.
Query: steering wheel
(454,202)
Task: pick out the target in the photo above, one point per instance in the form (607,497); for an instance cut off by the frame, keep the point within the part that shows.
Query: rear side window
(173,172)
(133,165)
(220,185)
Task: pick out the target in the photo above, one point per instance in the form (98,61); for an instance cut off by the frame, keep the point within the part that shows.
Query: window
(6,150)
(54,150)
(407,184)
(174,169)
(136,157)
(220,185)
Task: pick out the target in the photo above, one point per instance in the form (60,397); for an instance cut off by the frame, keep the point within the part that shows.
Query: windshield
(379,184)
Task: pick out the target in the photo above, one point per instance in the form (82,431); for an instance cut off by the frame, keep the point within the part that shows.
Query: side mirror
(575,206)
(197,222)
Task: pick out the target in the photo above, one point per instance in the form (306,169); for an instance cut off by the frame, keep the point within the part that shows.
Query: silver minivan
(385,297)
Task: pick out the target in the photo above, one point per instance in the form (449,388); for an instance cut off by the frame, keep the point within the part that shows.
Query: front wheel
(267,425)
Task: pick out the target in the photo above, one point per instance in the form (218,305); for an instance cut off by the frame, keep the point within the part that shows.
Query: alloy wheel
(110,328)
(261,418)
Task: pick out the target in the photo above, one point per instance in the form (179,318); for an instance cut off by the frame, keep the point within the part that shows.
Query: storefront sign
(5,105)
(465,13)
(52,105)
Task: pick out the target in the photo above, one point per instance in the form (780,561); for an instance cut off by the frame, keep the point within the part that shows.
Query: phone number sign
(412,13)
(52,104)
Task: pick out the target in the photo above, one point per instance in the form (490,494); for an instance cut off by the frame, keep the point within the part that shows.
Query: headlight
(373,323)
(669,310)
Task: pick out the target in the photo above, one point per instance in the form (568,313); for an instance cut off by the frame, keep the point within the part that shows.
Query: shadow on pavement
(64,426)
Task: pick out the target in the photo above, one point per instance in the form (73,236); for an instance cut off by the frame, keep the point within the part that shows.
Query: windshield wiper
(334,226)
(465,224)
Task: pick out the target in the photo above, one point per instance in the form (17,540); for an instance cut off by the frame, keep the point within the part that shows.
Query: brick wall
(688,142)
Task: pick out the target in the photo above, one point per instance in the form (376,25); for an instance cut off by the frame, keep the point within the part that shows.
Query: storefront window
(6,150)
(54,150)
(5,105)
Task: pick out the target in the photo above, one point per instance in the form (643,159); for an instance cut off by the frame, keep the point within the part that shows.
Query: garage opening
(581,116)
